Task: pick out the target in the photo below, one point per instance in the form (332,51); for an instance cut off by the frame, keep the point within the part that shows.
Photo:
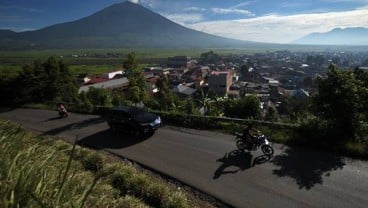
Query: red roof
(217,73)
(97,79)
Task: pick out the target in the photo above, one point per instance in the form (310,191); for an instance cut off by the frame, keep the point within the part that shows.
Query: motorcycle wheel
(240,144)
(267,150)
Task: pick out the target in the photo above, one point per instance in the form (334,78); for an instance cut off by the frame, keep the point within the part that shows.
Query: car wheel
(138,133)
(150,131)
(113,127)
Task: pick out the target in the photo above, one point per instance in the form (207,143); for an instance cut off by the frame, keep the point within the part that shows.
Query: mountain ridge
(120,25)
(337,36)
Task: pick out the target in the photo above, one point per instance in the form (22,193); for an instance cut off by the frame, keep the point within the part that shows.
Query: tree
(48,81)
(130,62)
(8,86)
(165,97)
(117,98)
(251,107)
(246,107)
(66,84)
(307,82)
(190,107)
(84,104)
(210,103)
(99,96)
(362,77)
(137,91)
(298,107)
(209,57)
(271,114)
(340,100)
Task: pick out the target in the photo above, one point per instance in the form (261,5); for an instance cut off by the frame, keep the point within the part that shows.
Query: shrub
(315,131)
(152,191)
(92,162)
(362,132)
(178,199)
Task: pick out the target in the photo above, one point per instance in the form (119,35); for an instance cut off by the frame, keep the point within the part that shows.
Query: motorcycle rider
(62,110)
(250,134)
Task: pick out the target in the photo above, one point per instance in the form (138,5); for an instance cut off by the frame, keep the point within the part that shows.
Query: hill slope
(120,25)
(348,36)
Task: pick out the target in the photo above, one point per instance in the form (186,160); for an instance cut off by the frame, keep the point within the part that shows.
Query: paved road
(209,161)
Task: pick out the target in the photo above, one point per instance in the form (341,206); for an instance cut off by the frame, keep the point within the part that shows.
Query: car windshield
(140,115)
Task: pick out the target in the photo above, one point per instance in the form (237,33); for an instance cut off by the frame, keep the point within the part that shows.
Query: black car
(133,120)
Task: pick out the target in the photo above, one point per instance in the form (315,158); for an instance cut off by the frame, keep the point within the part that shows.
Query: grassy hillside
(44,172)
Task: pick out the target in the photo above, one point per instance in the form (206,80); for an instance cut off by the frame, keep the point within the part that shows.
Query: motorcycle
(258,141)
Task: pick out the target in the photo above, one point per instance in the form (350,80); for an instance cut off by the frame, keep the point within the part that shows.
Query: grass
(157,53)
(92,69)
(10,70)
(95,62)
(43,172)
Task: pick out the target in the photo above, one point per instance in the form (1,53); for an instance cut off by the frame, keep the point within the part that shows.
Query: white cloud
(134,1)
(195,9)
(349,1)
(242,4)
(232,11)
(184,18)
(291,4)
(283,29)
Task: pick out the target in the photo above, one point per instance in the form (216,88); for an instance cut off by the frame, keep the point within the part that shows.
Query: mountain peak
(337,36)
(126,3)
(124,24)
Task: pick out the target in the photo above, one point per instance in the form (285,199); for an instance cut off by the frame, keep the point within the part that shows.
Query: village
(273,77)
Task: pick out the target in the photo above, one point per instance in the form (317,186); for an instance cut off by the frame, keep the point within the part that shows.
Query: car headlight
(157,121)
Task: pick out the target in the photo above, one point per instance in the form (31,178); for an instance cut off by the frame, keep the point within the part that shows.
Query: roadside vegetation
(334,118)
(36,171)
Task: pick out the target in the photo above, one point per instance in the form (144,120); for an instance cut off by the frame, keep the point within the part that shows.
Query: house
(220,81)
(201,71)
(255,88)
(297,94)
(188,76)
(97,79)
(83,78)
(110,84)
(156,70)
(234,91)
(179,62)
(151,84)
(113,74)
(183,91)
(300,94)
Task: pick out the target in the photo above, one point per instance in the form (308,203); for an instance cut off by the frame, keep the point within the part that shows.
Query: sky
(276,21)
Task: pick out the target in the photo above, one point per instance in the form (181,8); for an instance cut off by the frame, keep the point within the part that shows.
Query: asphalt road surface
(294,177)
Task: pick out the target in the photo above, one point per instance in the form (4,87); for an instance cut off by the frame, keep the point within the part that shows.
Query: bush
(92,162)
(362,132)
(152,191)
(315,131)
(229,126)
(84,105)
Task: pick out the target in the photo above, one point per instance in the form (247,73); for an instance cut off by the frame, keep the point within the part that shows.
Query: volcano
(122,25)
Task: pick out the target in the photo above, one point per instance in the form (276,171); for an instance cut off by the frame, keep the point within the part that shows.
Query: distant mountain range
(348,36)
(120,25)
